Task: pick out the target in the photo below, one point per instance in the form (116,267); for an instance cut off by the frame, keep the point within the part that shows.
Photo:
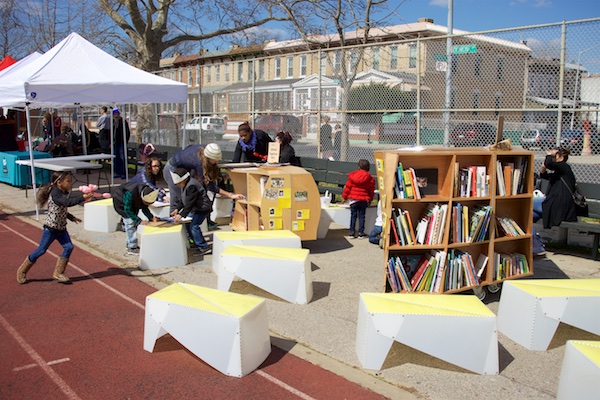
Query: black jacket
(287,154)
(137,204)
(262,148)
(194,199)
(558,205)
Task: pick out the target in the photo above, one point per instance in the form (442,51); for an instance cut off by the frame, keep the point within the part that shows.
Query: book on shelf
(437,286)
(509,227)
(394,231)
(509,264)
(508,170)
(399,184)
(523,165)
(500,178)
(482,261)
(392,278)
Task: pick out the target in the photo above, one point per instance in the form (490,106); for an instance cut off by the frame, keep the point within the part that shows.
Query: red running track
(85,340)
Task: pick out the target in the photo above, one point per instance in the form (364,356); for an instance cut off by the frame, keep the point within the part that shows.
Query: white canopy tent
(77,73)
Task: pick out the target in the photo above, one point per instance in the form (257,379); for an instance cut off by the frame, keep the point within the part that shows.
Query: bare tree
(338,24)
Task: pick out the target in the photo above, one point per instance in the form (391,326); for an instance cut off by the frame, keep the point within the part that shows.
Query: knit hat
(213,151)
(116,111)
(179,175)
(149,195)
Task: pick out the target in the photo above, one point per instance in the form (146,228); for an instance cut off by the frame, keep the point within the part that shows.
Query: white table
(341,215)
(84,157)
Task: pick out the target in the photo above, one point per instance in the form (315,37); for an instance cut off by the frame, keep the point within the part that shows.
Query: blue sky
(479,15)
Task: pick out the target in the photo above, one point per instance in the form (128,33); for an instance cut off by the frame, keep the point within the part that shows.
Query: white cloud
(439,3)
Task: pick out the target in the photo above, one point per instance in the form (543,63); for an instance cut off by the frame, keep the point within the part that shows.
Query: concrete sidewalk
(324,330)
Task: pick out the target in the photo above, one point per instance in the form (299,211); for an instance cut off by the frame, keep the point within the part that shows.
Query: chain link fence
(432,90)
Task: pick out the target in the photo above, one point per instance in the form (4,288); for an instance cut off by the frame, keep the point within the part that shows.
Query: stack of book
(509,264)
(406,186)
(511,176)
(472,181)
(473,229)
(461,271)
(430,229)
(509,227)
(402,228)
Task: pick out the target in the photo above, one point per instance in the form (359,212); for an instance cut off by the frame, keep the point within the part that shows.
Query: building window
(197,75)
(250,71)
(323,65)
(394,57)
(172,75)
(189,76)
(477,64)
(227,72)
(412,56)
(337,61)
(180,73)
(376,58)
(303,65)
(475,101)
(290,67)
(498,103)
(240,74)
(217,73)
(352,61)
(261,70)
(208,73)
(277,67)
(500,67)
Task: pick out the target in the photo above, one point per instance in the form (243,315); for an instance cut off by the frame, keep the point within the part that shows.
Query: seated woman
(148,175)
(557,205)
(287,154)
(62,144)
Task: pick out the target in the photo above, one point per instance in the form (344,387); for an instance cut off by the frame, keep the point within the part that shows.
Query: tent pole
(184,139)
(112,148)
(125,127)
(82,127)
(33,182)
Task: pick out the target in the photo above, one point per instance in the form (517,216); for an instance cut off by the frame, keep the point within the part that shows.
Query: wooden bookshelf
(277,198)
(447,170)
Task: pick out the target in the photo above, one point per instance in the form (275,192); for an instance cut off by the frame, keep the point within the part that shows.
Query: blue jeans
(537,208)
(358,209)
(375,234)
(130,232)
(120,161)
(49,236)
(194,230)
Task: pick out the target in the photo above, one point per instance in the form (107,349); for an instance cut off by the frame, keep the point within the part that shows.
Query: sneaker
(134,251)
(361,236)
(203,250)
(350,236)
(213,226)
(191,242)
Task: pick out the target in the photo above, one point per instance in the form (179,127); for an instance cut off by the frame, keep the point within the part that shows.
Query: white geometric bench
(458,329)
(100,216)
(580,373)
(228,331)
(223,239)
(283,272)
(163,246)
(530,310)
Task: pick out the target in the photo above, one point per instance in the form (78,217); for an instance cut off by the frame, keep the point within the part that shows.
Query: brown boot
(23,269)
(61,265)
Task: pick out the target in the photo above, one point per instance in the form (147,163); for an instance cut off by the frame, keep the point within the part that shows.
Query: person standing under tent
(103,126)
(120,126)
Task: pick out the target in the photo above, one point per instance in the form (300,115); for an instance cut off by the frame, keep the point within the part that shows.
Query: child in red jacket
(359,191)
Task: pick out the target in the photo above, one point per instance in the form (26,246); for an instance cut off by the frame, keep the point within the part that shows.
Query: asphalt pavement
(324,331)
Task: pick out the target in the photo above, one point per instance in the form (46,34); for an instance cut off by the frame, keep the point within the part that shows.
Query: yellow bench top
(102,202)
(206,299)
(558,287)
(241,235)
(590,348)
(274,253)
(167,228)
(425,304)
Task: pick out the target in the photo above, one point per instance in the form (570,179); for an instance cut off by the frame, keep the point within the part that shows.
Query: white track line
(61,360)
(270,378)
(66,389)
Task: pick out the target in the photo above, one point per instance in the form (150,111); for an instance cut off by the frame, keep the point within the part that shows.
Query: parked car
(573,139)
(213,128)
(273,123)
(473,134)
(538,138)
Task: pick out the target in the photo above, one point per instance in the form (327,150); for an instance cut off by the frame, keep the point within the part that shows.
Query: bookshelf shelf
(277,198)
(447,179)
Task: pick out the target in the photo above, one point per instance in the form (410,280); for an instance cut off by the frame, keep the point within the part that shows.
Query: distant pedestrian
(121,128)
(337,141)
(359,192)
(103,126)
(325,138)
(59,197)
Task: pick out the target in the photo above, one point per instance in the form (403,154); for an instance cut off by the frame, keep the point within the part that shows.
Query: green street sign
(439,57)
(464,49)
